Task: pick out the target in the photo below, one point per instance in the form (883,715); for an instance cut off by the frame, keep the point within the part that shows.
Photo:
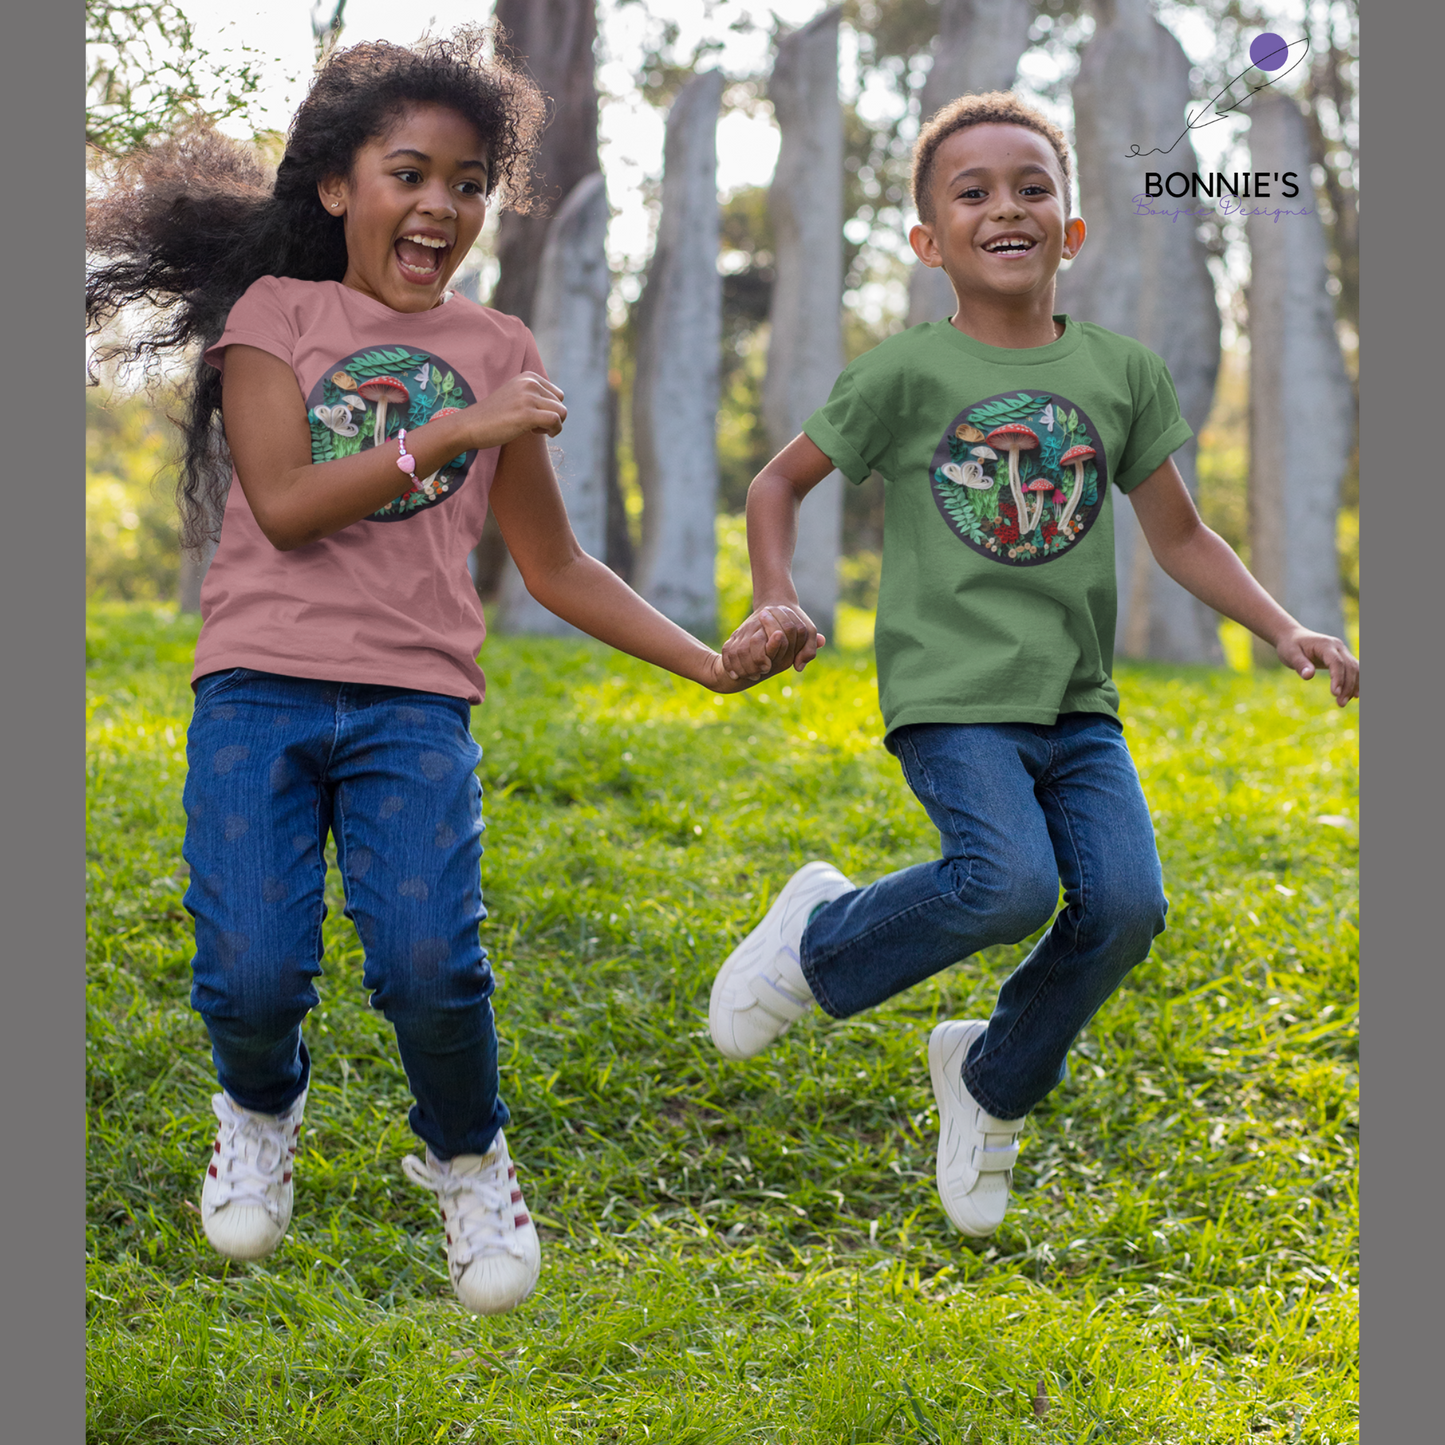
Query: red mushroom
(1014,437)
(1075,457)
(385,391)
(1039,485)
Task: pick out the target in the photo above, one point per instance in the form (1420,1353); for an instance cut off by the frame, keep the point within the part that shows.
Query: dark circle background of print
(1041,399)
(444,386)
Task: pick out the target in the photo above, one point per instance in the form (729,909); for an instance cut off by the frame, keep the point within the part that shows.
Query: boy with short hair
(1000,435)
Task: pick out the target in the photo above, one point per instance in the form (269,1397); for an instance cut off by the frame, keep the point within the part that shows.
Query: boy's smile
(999,228)
(412,206)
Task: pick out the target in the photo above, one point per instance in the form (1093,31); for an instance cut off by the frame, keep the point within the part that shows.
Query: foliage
(145,74)
(750,1251)
(132,551)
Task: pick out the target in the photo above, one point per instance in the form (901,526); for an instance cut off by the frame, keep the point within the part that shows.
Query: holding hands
(774,636)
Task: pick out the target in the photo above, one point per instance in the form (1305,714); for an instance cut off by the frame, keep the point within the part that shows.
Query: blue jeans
(1019,807)
(275,764)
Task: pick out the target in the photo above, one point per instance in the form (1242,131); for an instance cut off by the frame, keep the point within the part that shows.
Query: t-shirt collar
(1015,355)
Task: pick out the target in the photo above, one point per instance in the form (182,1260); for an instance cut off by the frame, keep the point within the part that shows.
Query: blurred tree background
(146,70)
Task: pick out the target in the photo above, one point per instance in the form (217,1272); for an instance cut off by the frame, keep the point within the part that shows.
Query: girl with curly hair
(349,422)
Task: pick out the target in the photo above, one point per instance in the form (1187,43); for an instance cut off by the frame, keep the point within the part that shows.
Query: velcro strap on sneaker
(773,999)
(994,1161)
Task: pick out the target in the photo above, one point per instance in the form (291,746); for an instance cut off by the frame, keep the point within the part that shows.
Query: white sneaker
(246,1194)
(493,1254)
(976,1152)
(760,989)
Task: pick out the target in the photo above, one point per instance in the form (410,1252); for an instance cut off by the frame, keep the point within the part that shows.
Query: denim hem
(820,993)
(988,1103)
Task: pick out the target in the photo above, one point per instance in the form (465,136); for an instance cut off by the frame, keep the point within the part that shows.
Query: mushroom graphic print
(1020,478)
(364,399)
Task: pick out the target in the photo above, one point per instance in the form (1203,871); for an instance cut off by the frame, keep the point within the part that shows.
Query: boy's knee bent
(1132,914)
(1017,899)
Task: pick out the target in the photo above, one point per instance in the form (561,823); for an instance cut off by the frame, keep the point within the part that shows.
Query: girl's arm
(527,503)
(296,501)
(1205,564)
(778,629)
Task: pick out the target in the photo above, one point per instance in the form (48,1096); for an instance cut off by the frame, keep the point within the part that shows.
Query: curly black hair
(994,107)
(185,225)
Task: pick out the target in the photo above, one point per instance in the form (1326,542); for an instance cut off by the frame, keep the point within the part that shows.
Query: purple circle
(1268,51)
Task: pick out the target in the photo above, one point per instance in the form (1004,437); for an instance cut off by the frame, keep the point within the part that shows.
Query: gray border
(42,573)
(1401,1189)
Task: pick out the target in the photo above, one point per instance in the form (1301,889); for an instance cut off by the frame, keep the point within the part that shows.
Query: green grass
(750,1252)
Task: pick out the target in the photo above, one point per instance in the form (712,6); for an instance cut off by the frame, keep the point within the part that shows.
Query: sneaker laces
(253,1154)
(480,1204)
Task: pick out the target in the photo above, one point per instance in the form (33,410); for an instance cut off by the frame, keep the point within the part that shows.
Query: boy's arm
(1205,564)
(528,505)
(778,629)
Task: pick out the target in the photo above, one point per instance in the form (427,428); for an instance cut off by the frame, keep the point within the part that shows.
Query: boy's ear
(1074,232)
(920,237)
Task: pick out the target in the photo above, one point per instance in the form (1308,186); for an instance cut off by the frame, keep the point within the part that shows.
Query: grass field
(750,1252)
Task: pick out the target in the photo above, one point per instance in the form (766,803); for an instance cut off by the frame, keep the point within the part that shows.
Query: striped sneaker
(246,1194)
(493,1255)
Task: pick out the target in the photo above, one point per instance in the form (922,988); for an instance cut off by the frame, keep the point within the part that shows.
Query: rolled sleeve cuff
(835,446)
(1156,456)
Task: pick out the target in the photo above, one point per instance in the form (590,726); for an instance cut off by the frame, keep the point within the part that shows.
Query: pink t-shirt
(388,599)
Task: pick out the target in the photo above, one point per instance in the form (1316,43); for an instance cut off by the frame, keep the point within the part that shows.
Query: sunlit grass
(751,1251)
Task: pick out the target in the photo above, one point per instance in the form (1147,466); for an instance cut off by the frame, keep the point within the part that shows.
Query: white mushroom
(970,474)
(337,418)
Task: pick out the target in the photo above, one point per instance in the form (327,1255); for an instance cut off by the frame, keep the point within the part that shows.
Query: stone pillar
(569,320)
(194,567)
(978,48)
(675,388)
(805,346)
(1147,277)
(554,40)
(1301,407)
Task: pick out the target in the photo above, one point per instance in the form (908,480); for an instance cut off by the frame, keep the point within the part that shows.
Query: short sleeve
(1157,430)
(261,319)
(531,357)
(848,431)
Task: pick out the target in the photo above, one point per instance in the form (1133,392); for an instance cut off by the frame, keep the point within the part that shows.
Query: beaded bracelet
(405,461)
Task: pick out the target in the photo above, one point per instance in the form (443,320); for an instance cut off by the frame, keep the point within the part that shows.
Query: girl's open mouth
(420,257)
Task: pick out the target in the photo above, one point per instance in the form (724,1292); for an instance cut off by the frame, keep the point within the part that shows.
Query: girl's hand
(774,636)
(525,403)
(714,674)
(1304,651)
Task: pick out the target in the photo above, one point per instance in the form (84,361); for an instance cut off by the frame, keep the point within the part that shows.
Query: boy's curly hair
(994,107)
(185,225)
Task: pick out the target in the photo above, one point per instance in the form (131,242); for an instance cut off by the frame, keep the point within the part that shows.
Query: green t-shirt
(997,600)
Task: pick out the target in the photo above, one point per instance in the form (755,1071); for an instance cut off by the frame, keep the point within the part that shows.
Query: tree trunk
(569,320)
(554,41)
(978,49)
(805,347)
(675,389)
(1301,407)
(1146,277)
(194,567)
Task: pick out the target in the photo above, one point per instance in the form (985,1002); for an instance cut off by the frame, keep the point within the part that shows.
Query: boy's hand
(1304,651)
(769,640)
